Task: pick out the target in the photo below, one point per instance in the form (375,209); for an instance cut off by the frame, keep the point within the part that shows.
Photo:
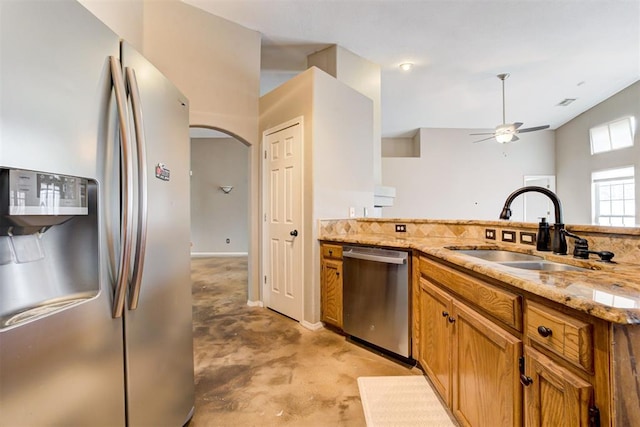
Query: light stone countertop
(608,291)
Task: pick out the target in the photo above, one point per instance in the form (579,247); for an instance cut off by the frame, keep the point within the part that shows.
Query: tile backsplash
(624,242)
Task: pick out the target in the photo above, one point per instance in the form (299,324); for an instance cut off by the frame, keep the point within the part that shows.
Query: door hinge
(265,217)
(521,364)
(594,416)
(265,280)
(265,154)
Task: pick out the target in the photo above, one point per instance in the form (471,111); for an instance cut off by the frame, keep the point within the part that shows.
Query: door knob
(294,233)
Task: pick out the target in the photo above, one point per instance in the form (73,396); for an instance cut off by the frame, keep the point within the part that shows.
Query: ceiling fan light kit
(506,132)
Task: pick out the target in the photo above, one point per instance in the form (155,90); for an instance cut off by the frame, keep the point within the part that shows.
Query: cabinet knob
(445,314)
(338,273)
(525,380)
(544,331)
(451,320)
(330,253)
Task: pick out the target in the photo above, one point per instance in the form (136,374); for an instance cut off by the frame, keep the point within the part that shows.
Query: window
(612,136)
(614,197)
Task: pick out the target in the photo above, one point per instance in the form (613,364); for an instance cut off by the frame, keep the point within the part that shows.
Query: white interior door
(283,220)
(537,205)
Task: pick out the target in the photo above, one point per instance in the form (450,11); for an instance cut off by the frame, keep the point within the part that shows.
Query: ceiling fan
(507,132)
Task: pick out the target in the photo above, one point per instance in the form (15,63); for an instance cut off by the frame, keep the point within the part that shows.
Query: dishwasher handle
(400,258)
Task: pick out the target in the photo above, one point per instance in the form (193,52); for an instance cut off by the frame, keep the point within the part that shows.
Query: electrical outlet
(490,234)
(401,228)
(352,212)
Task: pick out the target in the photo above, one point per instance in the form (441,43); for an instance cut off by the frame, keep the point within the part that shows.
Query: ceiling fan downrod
(503,77)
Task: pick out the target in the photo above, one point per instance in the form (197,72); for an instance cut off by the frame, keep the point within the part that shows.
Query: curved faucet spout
(559,241)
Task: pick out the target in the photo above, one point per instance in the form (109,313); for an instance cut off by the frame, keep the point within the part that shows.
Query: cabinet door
(486,378)
(555,397)
(331,299)
(435,337)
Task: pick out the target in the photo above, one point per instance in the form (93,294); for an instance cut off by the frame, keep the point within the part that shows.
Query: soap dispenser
(544,236)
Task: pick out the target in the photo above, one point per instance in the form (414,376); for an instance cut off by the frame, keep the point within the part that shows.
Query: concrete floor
(255,367)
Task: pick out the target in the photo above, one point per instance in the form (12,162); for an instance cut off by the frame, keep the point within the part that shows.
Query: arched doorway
(220,189)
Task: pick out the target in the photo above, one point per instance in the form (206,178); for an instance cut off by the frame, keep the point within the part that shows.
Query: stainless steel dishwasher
(376,297)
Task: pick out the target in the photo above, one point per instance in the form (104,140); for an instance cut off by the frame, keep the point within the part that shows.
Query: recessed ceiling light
(406,66)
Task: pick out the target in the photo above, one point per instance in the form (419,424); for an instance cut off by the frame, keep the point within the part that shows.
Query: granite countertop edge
(586,291)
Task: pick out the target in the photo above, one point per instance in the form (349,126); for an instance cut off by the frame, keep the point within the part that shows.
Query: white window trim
(631,123)
(609,175)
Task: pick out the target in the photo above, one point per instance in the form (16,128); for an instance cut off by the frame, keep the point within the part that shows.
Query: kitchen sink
(518,260)
(498,255)
(542,266)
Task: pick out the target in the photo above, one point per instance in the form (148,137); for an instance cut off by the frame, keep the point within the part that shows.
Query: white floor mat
(401,401)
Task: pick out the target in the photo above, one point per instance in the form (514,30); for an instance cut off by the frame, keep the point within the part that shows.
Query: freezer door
(64,367)
(158,332)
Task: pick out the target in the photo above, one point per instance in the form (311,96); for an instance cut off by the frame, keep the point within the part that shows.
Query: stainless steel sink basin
(518,260)
(542,266)
(497,255)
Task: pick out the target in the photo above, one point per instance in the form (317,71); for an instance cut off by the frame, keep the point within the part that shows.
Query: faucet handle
(605,256)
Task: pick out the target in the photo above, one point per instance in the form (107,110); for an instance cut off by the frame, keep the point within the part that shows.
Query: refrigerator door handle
(126,230)
(141,232)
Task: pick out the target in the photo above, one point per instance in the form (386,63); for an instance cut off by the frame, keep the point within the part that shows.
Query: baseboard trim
(255,303)
(311,326)
(217,254)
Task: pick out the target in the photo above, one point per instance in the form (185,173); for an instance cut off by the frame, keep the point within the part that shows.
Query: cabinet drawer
(332,251)
(569,337)
(499,303)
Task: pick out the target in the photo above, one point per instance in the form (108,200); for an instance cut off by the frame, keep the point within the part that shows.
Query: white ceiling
(583,49)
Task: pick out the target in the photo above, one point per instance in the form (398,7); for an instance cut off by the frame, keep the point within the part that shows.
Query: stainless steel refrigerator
(95,295)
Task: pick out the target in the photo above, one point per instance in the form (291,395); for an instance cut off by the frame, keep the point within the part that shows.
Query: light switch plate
(527,238)
(508,236)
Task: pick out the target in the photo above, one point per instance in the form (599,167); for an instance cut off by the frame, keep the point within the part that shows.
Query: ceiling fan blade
(485,139)
(533,129)
(516,125)
(515,138)
(485,133)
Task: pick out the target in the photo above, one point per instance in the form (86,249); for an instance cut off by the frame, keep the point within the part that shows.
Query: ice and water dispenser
(49,248)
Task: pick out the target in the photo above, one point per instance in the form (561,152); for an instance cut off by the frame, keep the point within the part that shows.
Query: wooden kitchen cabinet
(435,337)
(553,395)
(472,361)
(565,370)
(331,285)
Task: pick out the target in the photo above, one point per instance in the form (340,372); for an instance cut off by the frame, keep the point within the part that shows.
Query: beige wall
(123,17)
(216,216)
(362,75)
(575,162)
(338,158)
(215,62)
(456,179)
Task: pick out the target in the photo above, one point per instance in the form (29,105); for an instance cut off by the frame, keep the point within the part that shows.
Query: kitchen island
(510,346)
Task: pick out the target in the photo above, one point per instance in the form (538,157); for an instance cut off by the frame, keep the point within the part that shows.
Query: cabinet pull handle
(451,319)
(445,314)
(525,380)
(544,331)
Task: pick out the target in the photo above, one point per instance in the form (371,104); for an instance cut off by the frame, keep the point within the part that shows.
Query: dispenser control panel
(37,193)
